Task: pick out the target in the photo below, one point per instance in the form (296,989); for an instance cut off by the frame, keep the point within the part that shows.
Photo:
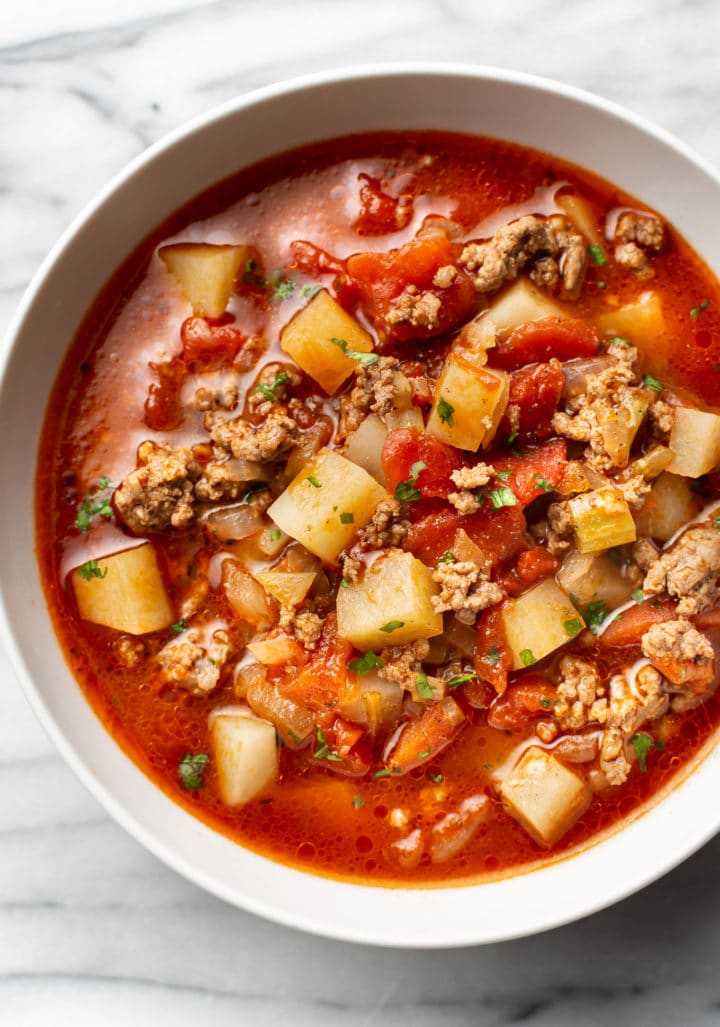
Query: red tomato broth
(96,419)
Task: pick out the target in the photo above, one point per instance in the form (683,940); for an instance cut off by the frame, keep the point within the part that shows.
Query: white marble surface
(92,928)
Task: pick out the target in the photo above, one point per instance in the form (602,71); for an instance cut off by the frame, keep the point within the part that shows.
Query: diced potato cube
(206,274)
(544,795)
(593,576)
(246,754)
(469,404)
(670,504)
(365,446)
(288,588)
(619,427)
(521,303)
(538,622)
(583,216)
(326,503)
(601,519)
(641,321)
(124,591)
(695,442)
(308,340)
(394,594)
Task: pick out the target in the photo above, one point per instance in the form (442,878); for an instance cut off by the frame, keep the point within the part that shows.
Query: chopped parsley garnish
(512,437)
(445,411)
(493,656)
(547,703)
(284,288)
(382,773)
(460,679)
(423,687)
(313,481)
(309,291)
(275,535)
(437,778)
(643,744)
(191,769)
(344,582)
(542,483)
(695,312)
(596,255)
(178,627)
(488,766)
(573,627)
(364,359)
(270,391)
(358,801)
(405,491)
(392,625)
(716,521)
(447,558)
(601,285)
(618,340)
(424,754)
(593,614)
(347,518)
(638,596)
(323,750)
(91,569)
(653,383)
(364,664)
(94,505)
(503,496)
(527,657)
(504,475)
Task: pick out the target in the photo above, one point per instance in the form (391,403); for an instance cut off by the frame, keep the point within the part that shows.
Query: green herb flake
(364,359)
(392,625)
(716,521)
(504,475)
(488,766)
(596,255)
(275,534)
(638,596)
(542,483)
(178,627)
(501,497)
(459,679)
(573,627)
(364,664)
(643,744)
(270,391)
(601,285)
(445,411)
(347,518)
(653,383)
(382,773)
(512,437)
(323,750)
(493,656)
(91,569)
(191,769)
(344,582)
(94,505)
(527,657)
(436,778)
(547,703)
(424,754)
(618,340)
(310,291)
(594,614)
(447,558)
(313,481)
(695,312)
(358,801)
(284,289)
(423,687)
(405,491)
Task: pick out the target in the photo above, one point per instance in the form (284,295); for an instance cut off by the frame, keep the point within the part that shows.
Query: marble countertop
(94,929)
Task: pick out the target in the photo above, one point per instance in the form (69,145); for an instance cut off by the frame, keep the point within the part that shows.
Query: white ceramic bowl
(581,128)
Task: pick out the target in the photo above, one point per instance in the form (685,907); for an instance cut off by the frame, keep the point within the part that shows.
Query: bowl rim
(272,907)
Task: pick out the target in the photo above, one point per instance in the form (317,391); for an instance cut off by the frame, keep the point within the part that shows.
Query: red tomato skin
(405,447)
(207,343)
(493,659)
(538,341)
(381,278)
(536,391)
(499,533)
(522,703)
(545,463)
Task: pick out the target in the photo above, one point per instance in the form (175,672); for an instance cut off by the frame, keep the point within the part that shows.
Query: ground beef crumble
(636,234)
(386,528)
(466,589)
(188,663)
(305,625)
(412,307)
(689,571)
(374,392)
(159,494)
(262,443)
(402,663)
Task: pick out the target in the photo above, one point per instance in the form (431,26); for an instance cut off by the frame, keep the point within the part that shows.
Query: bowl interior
(574,126)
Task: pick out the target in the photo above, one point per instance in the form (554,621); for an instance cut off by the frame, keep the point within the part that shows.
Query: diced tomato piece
(499,533)
(534,696)
(382,277)
(479,694)
(630,626)
(318,684)
(708,620)
(695,677)
(541,340)
(313,260)
(379,213)
(422,739)
(534,472)
(536,391)
(405,447)
(493,659)
(346,736)
(164,410)
(532,566)
(207,342)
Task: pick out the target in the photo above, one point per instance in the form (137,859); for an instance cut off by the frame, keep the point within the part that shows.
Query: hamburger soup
(378,512)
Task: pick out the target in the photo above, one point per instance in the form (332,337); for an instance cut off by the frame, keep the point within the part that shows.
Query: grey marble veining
(92,928)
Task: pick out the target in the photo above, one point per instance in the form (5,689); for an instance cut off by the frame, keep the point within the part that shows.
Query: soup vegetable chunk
(379,507)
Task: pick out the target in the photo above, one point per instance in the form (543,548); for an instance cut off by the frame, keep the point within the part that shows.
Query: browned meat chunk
(193,663)
(466,589)
(550,244)
(420,309)
(402,663)
(263,443)
(374,392)
(305,625)
(272,386)
(159,494)
(676,640)
(635,234)
(385,528)
(582,699)
(689,571)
